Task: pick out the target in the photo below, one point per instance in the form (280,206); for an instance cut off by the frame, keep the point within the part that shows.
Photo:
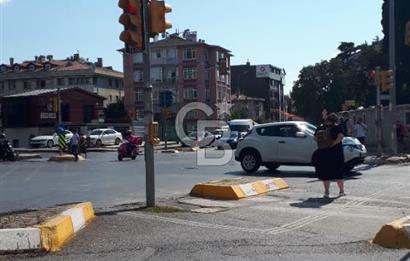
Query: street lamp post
(392,66)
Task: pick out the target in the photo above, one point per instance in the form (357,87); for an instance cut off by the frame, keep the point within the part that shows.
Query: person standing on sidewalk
(401,133)
(360,130)
(74,142)
(328,159)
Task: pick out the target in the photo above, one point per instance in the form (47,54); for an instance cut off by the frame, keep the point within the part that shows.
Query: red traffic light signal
(157,21)
(133,34)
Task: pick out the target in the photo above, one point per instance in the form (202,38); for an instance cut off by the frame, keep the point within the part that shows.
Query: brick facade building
(186,66)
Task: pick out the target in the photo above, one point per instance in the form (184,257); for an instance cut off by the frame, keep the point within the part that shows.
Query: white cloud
(4,1)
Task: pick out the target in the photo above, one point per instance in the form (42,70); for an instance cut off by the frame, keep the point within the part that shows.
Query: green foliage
(115,111)
(239,113)
(328,84)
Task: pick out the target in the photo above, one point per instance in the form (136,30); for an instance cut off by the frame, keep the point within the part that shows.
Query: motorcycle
(7,151)
(129,148)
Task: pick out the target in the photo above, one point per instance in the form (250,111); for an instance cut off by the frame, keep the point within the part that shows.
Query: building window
(60,81)
(47,67)
(190,94)
(3,69)
(407,118)
(207,94)
(1,86)
(117,83)
(156,74)
(110,82)
(95,80)
(16,68)
(137,58)
(110,98)
(27,85)
(171,54)
(139,96)
(156,54)
(72,81)
(117,99)
(12,85)
(41,84)
(138,76)
(190,73)
(31,67)
(189,54)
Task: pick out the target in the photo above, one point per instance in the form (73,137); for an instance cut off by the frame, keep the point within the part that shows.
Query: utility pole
(148,112)
(392,66)
(378,113)
(60,149)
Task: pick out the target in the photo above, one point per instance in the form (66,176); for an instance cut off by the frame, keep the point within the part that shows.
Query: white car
(49,140)
(289,143)
(100,137)
(198,139)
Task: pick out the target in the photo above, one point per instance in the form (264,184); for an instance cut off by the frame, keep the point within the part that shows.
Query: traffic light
(386,80)
(153,133)
(157,21)
(407,34)
(133,34)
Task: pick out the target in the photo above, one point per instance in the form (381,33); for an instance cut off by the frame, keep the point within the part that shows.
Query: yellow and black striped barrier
(61,142)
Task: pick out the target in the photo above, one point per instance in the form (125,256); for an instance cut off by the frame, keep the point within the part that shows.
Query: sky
(289,34)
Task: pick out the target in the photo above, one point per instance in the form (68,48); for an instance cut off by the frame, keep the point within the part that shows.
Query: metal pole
(148,114)
(378,113)
(60,150)
(392,66)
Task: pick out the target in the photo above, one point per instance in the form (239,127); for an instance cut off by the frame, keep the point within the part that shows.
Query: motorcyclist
(129,138)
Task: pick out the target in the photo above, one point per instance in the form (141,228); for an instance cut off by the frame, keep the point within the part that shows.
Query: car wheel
(98,143)
(272,166)
(250,161)
(50,144)
(117,141)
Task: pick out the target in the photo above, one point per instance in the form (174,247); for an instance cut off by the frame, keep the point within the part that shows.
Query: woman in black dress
(328,159)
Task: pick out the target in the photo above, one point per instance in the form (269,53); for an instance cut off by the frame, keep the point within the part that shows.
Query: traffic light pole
(148,113)
(392,65)
(378,113)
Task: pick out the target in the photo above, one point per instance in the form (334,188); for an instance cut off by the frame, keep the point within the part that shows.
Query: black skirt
(329,162)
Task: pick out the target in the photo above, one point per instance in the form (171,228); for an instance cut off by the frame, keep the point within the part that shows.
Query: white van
(241,125)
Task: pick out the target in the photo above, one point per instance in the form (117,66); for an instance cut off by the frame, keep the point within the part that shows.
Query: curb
(216,190)
(394,235)
(28,156)
(187,149)
(49,236)
(65,157)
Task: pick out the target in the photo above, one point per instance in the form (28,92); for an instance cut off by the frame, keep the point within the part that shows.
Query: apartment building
(45,72)
(188,67)
(262,81)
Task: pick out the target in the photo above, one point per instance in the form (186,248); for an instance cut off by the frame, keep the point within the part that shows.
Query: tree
(115,110)
(329,84)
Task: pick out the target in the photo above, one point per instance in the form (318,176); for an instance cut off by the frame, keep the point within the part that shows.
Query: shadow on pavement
(275,174)
(313,203)
(406,257)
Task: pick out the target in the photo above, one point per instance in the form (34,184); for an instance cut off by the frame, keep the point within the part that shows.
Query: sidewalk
(112,148)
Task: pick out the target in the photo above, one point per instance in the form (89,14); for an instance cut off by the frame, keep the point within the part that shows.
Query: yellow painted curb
(237,189)
(60,229)
(65,157)
(394,235)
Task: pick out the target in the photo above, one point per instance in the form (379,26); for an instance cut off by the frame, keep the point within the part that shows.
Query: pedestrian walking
(345,124)
(74,142)
(401,133)
(83,145)
(360,130)
(328,159)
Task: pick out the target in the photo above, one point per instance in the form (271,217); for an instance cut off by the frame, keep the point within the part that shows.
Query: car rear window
(268,131)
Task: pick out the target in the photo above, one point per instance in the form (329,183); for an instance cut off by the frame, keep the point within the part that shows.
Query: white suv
(289,143)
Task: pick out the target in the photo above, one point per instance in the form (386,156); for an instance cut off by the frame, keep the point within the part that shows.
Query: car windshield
(96,132)
(240,128)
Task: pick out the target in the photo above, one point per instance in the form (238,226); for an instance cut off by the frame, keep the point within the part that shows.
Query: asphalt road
(295,224)
(100,179)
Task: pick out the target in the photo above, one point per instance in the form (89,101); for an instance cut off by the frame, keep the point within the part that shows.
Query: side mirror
(300,134)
